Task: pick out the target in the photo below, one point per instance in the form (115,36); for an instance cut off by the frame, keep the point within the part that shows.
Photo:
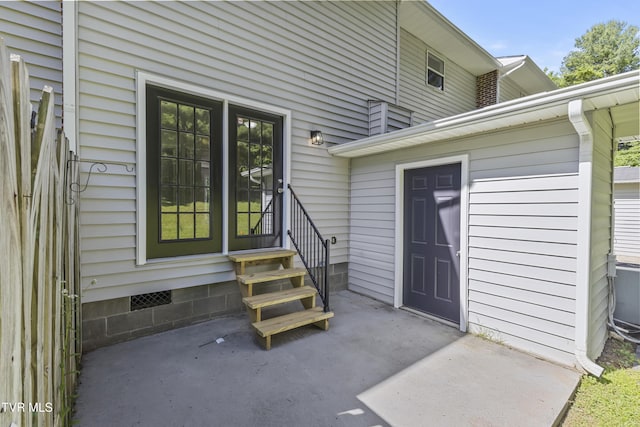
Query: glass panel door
(255,168)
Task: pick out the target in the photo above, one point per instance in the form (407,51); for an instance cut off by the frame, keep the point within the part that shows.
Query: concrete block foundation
(112,321)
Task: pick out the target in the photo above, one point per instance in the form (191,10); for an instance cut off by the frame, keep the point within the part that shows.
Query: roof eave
(603,93)
(425,22)
(533,78)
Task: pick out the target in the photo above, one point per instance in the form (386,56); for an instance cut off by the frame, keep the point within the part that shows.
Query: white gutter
(583,273)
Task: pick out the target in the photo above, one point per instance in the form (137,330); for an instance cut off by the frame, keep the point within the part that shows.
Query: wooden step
(280,297)
(261,256)
(275,325)
(270,276)
(283,257)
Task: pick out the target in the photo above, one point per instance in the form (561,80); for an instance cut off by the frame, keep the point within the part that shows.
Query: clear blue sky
(543,29)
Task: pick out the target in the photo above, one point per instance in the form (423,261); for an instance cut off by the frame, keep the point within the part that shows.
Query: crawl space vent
(153,299)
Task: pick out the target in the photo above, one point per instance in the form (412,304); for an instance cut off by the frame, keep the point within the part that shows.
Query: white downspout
(583,273)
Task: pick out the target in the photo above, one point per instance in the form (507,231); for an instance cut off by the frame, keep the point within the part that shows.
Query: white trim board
(69,73)
(464,229)
(142,79)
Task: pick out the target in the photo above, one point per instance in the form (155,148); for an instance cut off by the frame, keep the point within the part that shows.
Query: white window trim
(426,77)
(464,227)
(142,79)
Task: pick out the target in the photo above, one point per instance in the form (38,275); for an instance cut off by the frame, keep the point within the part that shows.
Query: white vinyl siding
(322,61)
(427,102)
(522,232)
(33,30)
(601,211)
(385,117)
(509,90)
(627,219)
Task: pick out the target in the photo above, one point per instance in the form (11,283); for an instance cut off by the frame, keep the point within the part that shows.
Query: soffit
(528,76)
(626,126)
(426,23)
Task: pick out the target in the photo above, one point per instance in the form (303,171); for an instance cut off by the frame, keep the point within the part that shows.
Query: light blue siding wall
(33,30)
(601,222)
(522,232)
(321,60)
(427,102)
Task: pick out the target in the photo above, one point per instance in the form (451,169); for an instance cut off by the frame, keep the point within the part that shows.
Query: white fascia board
(528,75)
(603,93)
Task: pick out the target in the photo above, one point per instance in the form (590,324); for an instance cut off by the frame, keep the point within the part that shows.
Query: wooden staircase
(249,282)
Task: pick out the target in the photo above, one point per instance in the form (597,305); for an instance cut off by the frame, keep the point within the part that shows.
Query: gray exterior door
(432,241)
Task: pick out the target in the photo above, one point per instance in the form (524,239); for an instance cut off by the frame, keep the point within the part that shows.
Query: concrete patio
(376,366)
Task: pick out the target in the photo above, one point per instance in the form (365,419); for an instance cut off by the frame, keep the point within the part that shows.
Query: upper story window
(435,71)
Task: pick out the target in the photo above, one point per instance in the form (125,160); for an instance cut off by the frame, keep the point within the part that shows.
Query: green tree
(604,50)
(628,154)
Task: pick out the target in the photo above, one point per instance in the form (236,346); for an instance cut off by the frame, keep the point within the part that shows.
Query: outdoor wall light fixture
(316,137)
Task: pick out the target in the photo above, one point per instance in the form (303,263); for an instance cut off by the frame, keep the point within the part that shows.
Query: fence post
(10,262)
(38,336)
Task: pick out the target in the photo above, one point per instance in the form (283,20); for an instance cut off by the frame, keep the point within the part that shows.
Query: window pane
(267,133)
(186,229)
(203,197)
(255,131)
(186,199)
(168,171)
(242,163)
(255,224)
(435,80)
(203,121)
(203,228)
(203,148)
(242,224)
(169,199)
(267,160)
(255,159)
(256,201)
(168,143)
(169,227)
(186,145)
(169,114)
(243,129)
(185,122)
(436,63)
(186,172)
(203,171)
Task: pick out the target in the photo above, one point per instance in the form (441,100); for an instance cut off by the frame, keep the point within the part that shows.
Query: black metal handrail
(312,248)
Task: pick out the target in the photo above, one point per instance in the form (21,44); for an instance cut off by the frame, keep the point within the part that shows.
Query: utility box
(627,285)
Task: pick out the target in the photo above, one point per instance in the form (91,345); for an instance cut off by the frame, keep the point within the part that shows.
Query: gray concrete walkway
(376,366)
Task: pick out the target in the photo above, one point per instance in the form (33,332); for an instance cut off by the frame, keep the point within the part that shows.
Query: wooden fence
(39,280)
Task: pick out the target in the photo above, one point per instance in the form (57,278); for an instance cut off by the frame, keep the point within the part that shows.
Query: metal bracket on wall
(96,166)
